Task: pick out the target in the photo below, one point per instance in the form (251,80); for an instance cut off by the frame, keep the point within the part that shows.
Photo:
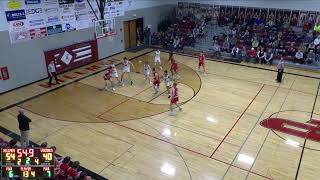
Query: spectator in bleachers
(311,57)
(299,57)
(176,43)
(255,42)
(252,54)
(243,54)
(73,171)
(268,57)
(316,42)
(260,55)
(233,41)
(235,52)
(226,45)
(291,53)
(216,50)
(308,38)
(311,46)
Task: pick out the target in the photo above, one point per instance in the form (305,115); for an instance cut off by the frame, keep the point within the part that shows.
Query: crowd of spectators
(65,169)
(181,30)
(260,39)
(252,36)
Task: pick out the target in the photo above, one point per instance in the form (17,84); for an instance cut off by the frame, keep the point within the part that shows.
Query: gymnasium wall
(25,60)
(307,5)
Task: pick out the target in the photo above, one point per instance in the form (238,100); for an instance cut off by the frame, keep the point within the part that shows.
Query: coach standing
(280,68)
(52,73)
(24,128)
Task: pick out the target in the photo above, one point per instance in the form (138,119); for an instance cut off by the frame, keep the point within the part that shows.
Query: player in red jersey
(156,80)
(202,59)
(107,78)
(174,66)
(61,173)
(73,171)
(174,98)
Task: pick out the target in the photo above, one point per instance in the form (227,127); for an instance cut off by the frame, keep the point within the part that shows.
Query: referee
(52,73)
(280,68)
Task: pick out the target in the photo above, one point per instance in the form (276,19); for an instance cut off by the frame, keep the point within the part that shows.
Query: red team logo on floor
(309,130)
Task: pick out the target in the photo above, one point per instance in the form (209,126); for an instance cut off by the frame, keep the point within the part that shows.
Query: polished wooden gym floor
(130,135)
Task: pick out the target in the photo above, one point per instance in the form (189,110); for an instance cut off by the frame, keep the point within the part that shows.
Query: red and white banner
(73,56)
(38,32)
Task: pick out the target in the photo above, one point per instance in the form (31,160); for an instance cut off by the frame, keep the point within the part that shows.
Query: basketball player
(107,78)
(147,72)
(126,70)
(202,59)
(174,99)
(167,81)
(156,81)
(157,59)
(174,66)
(114,73)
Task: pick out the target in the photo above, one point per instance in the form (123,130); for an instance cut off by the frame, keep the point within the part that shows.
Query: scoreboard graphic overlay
(27,162)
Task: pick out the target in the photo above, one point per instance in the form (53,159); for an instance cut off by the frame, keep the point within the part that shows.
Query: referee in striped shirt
(280,68)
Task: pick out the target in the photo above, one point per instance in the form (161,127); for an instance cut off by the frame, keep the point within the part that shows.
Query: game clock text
(27,162)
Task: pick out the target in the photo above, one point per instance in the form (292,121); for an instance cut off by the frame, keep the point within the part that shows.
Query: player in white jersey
(126,70)
(167,81)
(157,58)
(114,73)
(147,72)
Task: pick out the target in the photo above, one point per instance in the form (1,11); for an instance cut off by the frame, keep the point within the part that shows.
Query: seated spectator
(260,56)
(268,57)
(83,176)
(255,42)
(298,58)
(316,42)
(235,52)
(233,41)
(246,34)
(73,171)
(311,57)
(61,172)
(226,45)
(176,43)
(44,144)
(252,54)
(243,54)
(308,38)
(291,53)
(311,46)
(216,50)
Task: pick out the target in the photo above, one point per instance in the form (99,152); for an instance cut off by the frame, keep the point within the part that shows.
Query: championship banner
(72,56)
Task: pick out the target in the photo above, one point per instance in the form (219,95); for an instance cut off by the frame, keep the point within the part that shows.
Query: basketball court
(222,133)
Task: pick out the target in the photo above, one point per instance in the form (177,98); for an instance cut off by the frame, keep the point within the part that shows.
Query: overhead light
(245,159)
(166,132)
(292,143)
(211,119)
(168,169)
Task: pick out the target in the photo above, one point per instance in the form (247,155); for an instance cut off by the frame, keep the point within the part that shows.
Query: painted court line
(187,149)
(237,121)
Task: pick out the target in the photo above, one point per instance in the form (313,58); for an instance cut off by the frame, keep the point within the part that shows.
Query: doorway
(133,33)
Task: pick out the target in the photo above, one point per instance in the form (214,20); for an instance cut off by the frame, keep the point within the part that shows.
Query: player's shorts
(174,67)
(106,78)
(156,82)
(168,84)
(201,63)
(174,100)
(157,59)
(126,69)
(147,72)
(114,75)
